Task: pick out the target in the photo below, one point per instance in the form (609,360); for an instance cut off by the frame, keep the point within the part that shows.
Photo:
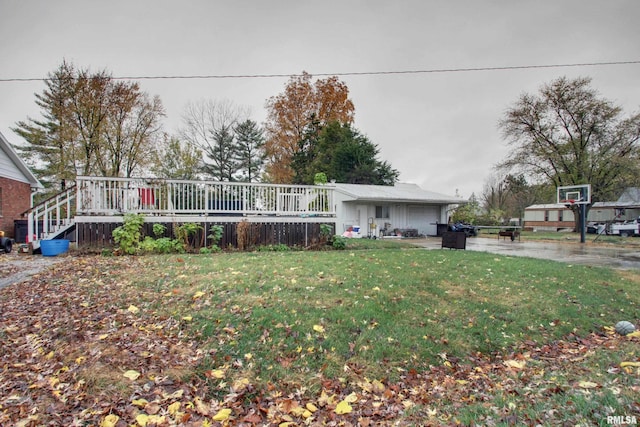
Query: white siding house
(403,206)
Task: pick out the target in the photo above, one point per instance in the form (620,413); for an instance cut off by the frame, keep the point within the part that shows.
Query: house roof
(19,163)
(546,206)
(630,195)
(400,192)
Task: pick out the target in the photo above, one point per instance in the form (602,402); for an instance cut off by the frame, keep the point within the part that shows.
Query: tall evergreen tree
(344,155)
(223,155)
(250,151)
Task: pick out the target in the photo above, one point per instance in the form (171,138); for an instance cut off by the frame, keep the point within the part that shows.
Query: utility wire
(355,73)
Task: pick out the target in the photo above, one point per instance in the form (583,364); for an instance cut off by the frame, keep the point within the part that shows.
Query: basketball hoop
(576,198)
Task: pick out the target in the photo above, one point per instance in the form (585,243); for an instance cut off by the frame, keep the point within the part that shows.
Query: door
(423,218)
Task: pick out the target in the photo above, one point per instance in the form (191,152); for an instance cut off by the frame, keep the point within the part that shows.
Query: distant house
(379,209)
(16,186)
(554,216)
(548,217)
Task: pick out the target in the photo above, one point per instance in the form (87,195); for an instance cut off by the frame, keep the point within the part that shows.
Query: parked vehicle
(467,229)
(625,229)
(597,228)
(6,243)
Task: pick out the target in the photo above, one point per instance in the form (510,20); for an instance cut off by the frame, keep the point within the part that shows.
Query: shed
(380,209)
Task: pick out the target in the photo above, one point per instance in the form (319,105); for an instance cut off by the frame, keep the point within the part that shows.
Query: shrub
(243,230)
(215,234)
(162,245)
(186,232)
(326,231)
(159,230)
(339,242)
(128,235)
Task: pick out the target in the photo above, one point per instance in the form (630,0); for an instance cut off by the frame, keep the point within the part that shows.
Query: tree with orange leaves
(290,114)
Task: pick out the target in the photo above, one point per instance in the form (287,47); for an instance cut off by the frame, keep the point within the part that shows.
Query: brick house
(17,183)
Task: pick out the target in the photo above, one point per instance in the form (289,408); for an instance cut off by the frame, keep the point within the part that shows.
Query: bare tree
(568,135)
(209,126)
(92,125)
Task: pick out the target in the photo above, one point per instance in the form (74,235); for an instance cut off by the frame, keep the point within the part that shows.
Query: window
(382,211)
(560,214)
(546,215)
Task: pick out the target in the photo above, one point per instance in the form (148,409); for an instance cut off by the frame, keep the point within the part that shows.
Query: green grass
(286,317)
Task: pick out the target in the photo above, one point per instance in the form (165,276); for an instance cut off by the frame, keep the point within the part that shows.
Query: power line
(354,73)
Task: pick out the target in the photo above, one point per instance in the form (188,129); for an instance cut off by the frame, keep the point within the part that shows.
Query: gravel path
(16,268)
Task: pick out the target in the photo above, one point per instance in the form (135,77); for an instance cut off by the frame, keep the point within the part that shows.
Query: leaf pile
(79,346)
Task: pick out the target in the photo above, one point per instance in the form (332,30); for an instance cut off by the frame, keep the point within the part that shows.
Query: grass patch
(396,336)
(295,317)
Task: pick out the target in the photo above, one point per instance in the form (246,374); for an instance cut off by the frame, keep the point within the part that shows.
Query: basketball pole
(583,222)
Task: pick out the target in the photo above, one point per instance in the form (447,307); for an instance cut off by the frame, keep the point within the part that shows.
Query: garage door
(423,218)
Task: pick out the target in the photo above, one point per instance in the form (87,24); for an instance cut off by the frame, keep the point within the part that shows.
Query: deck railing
(113,196)
(51,216)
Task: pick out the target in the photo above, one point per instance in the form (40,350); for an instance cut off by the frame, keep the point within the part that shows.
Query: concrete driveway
(571,253)
(15,268)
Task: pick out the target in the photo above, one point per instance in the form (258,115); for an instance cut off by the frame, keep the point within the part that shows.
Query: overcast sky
(438,129)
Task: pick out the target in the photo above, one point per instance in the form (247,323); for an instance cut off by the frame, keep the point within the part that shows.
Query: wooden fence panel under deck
(98,235)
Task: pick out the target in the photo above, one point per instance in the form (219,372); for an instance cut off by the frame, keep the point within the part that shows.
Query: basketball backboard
(574,194)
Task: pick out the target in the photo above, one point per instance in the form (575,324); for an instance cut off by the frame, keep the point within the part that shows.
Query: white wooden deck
(99,199)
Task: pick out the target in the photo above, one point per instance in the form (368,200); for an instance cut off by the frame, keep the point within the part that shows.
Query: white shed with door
(375,208)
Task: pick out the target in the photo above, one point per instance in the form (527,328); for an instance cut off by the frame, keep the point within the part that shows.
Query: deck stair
(52,218)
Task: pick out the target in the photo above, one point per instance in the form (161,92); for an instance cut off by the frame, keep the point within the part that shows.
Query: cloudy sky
(439,129)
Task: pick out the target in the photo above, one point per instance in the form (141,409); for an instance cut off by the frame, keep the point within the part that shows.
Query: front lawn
(375,336)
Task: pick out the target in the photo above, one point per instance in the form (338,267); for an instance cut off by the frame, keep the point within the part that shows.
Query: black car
(467,229)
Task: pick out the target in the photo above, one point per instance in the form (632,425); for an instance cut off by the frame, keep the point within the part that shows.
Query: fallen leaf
(343,408)
(142,420)
(201,407)
(515,364)
(587,384)
(131,374)
(173,408)
(318,328)
(217,374)
(625,364)
(222,415)
(110,421)
(378,387)
(140,403)
(133,309)
(351,398)
(198,294)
